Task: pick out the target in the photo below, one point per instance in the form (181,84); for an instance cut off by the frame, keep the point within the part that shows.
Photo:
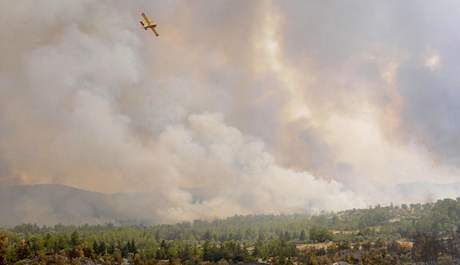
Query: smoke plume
(237,108)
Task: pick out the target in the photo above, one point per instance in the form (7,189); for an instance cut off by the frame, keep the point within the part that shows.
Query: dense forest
(404,234)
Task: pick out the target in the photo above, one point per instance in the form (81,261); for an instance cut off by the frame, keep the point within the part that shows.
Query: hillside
(407,234)
(54,204)
(57,204)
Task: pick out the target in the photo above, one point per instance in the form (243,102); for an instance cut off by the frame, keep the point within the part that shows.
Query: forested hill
(407,234)
(389,222)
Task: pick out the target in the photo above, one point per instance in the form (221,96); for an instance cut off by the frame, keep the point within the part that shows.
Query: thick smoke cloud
(238,107)
(398,56)
(390,65)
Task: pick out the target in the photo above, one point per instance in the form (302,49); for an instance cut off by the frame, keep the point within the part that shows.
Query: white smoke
(229,111)
(87,113)
(227,172)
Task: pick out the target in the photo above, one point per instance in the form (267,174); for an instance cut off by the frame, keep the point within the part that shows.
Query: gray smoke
(238,107)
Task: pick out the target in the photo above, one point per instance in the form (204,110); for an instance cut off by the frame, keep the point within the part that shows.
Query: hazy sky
(238,106)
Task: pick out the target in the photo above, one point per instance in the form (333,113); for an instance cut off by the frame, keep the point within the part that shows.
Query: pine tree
(3,246)
(95,247)
(302,236)
(74,239)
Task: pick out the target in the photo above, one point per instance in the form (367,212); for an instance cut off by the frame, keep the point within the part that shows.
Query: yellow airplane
(147,24)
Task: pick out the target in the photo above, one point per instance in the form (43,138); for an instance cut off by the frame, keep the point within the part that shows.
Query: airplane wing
(147,20)
(155,32)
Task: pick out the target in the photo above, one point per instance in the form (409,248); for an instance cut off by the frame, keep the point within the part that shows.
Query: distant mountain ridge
(49,204)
